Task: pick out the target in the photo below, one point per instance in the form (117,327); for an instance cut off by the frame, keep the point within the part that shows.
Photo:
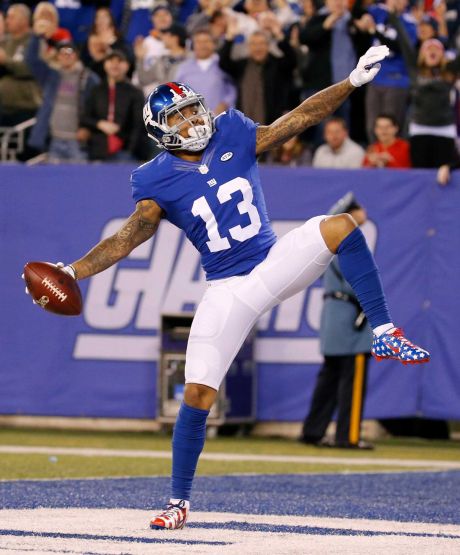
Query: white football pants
(230,307)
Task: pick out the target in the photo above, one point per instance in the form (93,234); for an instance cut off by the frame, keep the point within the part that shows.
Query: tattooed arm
(322,104)
(309,113)
(139,227)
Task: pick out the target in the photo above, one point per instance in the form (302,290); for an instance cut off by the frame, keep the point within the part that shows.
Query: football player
(206,182)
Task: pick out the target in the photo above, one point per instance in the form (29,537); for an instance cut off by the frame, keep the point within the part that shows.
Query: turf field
(79,492)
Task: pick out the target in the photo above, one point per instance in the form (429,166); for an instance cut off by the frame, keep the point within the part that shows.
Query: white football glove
(69,269)
(368,65)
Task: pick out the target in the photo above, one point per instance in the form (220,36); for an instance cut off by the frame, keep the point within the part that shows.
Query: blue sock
(187,443)
(359,269)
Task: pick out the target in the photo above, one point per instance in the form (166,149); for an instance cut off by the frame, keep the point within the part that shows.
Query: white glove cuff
(70,270)
(354,79)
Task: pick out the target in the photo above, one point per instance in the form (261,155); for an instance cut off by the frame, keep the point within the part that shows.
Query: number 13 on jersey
(202,209)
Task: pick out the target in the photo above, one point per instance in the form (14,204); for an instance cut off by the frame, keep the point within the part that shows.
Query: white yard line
(97,521)
(116,531)
(299,459)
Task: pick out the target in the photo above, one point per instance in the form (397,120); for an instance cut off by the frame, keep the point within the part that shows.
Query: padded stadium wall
(103,363)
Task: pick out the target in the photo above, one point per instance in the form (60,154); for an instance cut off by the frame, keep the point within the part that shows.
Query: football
(53,289)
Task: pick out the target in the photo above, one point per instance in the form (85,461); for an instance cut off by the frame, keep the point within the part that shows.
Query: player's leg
(225,316)
(188,441)
(301,256)
(343,236)
(221,324)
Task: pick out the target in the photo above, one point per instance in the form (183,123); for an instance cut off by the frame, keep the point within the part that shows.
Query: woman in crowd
(432,127)
(104,38)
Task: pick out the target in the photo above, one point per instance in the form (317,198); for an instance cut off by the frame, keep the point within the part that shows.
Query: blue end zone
(406,497)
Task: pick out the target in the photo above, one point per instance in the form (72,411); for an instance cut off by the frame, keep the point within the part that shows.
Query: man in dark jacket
(113,114)
(263,80)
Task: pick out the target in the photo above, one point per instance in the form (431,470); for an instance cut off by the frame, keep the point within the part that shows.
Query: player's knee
(335,229)
(199,396)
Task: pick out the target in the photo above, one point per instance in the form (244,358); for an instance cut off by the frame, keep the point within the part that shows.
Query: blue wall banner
(103,363)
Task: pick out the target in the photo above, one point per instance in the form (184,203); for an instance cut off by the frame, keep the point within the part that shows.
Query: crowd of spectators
(83,70)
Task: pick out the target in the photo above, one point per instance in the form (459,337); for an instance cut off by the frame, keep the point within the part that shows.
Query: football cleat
(173,517)
(393,345)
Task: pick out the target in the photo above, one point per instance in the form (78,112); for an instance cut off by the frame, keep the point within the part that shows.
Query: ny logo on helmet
(179,87)
(147,115)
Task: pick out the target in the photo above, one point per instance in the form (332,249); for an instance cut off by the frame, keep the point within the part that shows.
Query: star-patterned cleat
(173,517)
(393,345)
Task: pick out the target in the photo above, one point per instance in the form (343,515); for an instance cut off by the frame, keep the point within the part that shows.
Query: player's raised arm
(139,227)
(320,105)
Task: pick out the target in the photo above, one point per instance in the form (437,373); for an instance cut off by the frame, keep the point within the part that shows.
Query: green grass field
(34,465)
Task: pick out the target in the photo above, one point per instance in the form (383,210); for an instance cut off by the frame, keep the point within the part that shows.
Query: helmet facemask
(199,134)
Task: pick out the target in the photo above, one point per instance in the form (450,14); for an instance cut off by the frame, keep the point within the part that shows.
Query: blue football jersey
(217,201)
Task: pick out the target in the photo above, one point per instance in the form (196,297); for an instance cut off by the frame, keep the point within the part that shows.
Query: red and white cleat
(395,346)
(173,517)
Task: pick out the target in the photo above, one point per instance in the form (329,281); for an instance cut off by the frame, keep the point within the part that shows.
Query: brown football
(53,289)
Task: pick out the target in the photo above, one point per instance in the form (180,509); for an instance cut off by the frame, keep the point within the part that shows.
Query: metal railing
(12,140)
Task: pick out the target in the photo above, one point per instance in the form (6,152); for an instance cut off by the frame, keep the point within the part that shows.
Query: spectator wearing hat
(66,86)
(389,151)
(20,94)
(339,151)
(345,341)
(202,72)
(165,67)
(112,116)
(103,38)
